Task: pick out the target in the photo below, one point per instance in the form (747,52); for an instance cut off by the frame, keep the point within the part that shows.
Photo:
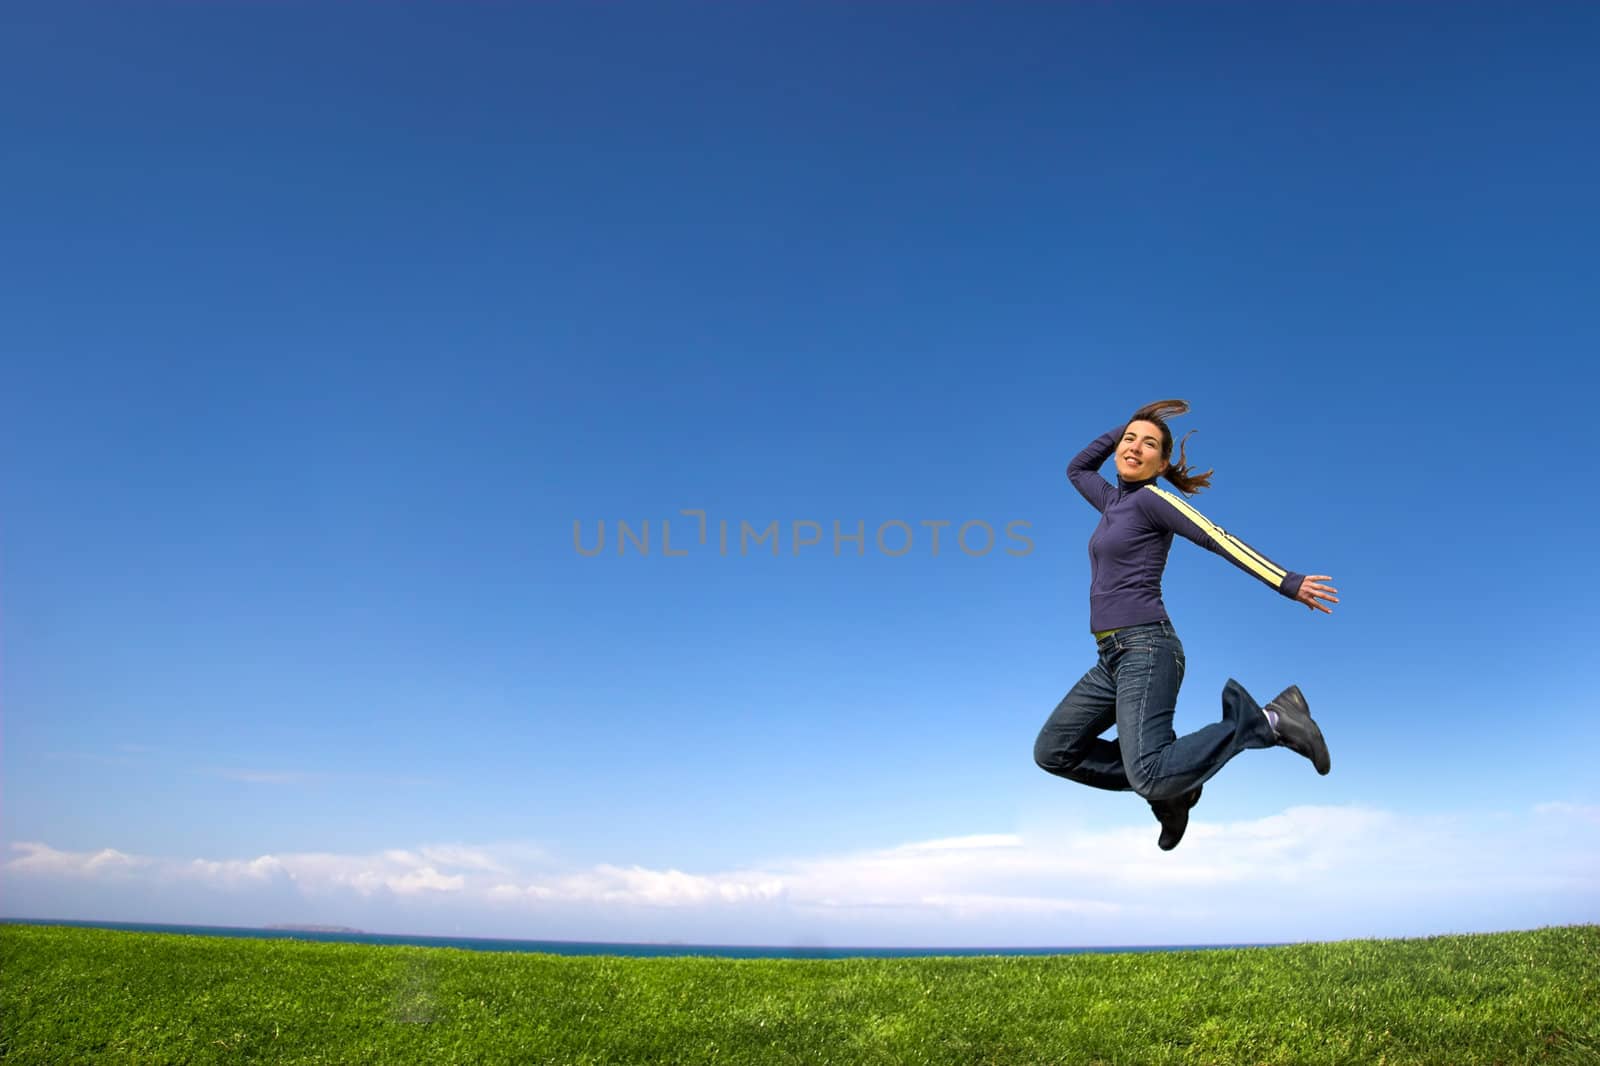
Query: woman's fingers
(1311,594)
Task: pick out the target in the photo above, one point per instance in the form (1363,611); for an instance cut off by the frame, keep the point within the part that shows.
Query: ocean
(584,947)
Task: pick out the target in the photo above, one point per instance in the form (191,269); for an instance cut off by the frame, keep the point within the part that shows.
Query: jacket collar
(1124,486)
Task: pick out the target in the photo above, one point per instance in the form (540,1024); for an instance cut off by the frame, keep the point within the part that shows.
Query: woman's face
(1139,452)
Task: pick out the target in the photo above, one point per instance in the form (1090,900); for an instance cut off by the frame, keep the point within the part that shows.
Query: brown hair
(1178,473)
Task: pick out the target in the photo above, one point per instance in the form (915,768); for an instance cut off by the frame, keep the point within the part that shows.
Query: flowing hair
(1179,473)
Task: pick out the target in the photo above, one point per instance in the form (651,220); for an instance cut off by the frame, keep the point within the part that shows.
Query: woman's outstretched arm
(1172,512)
(1084,470)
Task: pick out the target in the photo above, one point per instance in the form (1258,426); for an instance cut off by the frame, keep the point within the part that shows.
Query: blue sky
(325,326)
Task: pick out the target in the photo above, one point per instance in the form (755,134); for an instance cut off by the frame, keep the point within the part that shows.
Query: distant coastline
(635,950)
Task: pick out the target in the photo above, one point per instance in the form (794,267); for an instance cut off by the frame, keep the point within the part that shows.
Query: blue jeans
(1134,686)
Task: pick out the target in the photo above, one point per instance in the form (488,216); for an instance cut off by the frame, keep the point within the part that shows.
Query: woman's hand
(1312,589)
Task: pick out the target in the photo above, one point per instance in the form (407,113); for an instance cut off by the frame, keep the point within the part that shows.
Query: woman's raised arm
(1084,470)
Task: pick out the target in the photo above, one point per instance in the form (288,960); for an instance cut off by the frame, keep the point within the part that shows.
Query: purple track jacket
(1128,549)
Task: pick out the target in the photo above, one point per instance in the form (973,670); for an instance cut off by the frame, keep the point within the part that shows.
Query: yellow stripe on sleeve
(1252,560)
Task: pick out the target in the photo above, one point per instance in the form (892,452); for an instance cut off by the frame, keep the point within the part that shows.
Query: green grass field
(88,995)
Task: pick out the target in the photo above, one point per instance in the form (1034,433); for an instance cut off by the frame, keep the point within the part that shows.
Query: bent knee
(1053,759)
(1156,790)
(1142,782)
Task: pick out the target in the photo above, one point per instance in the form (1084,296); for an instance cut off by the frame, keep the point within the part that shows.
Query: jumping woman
(1134,684)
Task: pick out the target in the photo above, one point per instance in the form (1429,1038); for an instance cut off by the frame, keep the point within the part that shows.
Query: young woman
(1134,684)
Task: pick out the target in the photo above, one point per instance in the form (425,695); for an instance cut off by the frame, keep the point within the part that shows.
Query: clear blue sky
(322,326)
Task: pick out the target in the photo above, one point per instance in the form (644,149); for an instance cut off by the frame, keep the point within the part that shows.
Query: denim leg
(1070,746)
(1160,764)
(1240,710)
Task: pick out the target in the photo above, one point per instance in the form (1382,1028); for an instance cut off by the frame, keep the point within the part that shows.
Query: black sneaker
(1296,731)
(1173,815)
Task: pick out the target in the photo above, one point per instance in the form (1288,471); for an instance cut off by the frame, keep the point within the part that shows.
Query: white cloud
(400,872)
(233,871)
(1587,813)
(426,879)
(638,886)
(462,858)
(43,860)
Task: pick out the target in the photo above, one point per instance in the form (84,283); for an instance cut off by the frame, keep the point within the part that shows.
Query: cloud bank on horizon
(1306,873)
